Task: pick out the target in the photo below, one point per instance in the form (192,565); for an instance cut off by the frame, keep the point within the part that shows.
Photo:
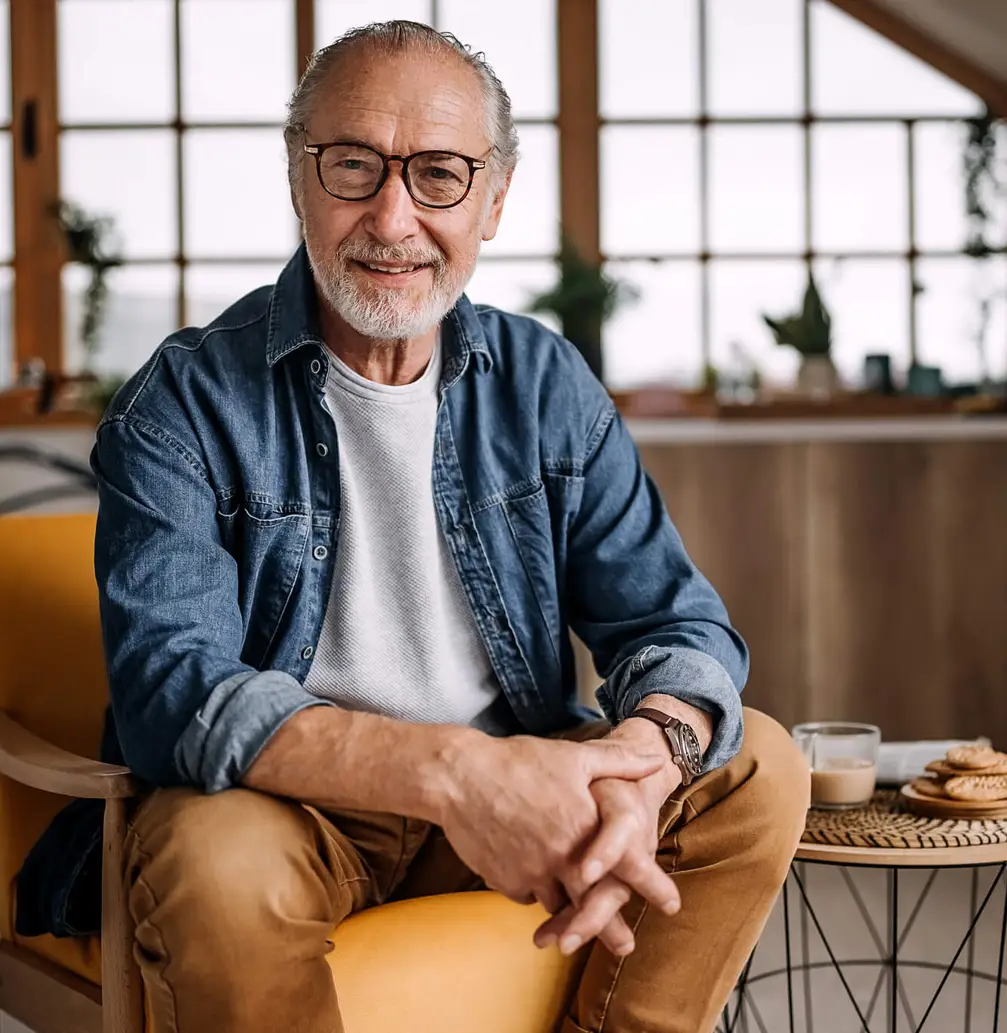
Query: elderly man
(343,532)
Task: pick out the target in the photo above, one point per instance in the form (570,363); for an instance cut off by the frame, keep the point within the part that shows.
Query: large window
(741,144)
(744,143)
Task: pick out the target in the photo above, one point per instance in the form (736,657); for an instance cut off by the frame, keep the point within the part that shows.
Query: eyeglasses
(355,172)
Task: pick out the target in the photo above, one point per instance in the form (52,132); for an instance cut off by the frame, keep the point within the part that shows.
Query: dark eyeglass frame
(318,149)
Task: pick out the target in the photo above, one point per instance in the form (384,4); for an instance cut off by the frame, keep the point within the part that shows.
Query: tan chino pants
(235,896)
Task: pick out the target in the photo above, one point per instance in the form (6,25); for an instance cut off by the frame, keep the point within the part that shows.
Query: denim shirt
(218,525)
(219,517)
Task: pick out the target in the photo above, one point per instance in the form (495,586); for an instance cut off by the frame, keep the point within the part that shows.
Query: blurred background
(707,152)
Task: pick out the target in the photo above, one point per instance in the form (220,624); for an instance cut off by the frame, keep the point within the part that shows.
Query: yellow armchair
(483,975)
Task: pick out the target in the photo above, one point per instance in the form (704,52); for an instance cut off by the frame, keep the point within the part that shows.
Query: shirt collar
(294,322)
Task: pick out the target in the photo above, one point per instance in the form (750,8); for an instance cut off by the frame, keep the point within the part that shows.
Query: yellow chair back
(52,670)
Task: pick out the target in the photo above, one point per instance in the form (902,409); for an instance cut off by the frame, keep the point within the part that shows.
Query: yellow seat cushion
(462,963)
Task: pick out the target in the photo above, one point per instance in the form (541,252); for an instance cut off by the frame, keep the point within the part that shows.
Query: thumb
(620,760)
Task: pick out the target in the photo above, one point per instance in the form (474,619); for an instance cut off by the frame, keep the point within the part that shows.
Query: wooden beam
(579,179)
(304,33)
(935,53)
(122,984)
(45,997)
(38,255)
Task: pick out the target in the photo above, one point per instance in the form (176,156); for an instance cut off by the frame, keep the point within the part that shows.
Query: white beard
(380,313)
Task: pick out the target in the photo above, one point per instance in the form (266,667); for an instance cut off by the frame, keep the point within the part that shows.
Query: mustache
(391,254)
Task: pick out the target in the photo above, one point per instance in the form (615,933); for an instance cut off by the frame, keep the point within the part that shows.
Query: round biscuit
(928,787)
(970,758)
(977,787)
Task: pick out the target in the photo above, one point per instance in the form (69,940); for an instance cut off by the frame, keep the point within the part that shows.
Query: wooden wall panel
(869,578)
(739,510)
(871,599)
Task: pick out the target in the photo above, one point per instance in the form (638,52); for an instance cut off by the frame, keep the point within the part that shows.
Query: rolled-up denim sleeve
(652,621)
(187,710)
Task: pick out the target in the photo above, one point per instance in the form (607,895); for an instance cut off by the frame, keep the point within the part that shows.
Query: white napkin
(900,762)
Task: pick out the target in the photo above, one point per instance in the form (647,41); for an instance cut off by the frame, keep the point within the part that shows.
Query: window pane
(949,317)
(334,17)
(756,188)
(251,78)
(648,58)
(860,187)
(6,328)
(4,60)
(530,223)
(511,285)
(6,200)
(868,300)
(856,71)
(210,289)
(116,61)
(521,47)
(93,164)
(657,339)
(649,189)
(740,293)
(941,222)
(754,57)
(140,312)
(237,202)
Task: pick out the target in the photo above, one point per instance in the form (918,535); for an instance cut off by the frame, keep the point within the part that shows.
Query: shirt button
(307,652)
(322,449)
(316,367)
(319,552)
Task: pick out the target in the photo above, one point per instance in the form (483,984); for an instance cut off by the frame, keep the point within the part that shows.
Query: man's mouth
(390,270)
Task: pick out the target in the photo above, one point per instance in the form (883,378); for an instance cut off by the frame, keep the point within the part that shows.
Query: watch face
(690,744)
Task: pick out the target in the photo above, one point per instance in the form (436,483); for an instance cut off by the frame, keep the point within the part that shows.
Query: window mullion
(38,254)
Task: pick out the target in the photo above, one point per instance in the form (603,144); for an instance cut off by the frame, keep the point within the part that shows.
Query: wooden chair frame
(37,992)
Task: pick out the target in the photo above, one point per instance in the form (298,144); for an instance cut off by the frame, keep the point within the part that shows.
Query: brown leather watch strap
(671,726)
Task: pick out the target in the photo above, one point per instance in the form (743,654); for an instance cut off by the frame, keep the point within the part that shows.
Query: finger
(598,908)
(644,875)
(605,851)
(608,759)
(552,897)
(553,928)
(618,937)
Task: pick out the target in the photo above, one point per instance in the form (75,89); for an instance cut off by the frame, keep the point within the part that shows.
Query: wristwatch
(686,753)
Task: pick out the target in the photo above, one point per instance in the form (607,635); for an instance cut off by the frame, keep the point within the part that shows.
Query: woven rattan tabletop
(884,833)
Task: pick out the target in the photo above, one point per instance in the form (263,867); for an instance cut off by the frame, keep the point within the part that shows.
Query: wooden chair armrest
(34,762)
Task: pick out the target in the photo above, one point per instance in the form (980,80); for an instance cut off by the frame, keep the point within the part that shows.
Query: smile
(392,270)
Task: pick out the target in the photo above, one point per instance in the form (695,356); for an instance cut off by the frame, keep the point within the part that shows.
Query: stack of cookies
(970,781)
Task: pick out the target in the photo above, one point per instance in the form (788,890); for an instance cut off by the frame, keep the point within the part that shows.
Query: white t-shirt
(398,637)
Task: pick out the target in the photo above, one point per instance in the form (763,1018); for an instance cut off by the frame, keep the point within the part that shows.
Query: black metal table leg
(1000,963)
(894,1003)
(786,942)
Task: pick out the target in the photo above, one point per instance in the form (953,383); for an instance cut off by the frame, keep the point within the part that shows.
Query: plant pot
(817,378)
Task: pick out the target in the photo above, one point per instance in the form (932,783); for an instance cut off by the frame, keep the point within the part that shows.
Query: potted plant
(88,242)
(582,299)
(809,332)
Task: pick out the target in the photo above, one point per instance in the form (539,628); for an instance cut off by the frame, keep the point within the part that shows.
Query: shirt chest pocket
(268,541)
(520,533)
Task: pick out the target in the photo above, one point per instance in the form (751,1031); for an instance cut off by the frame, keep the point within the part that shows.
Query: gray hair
(396,37)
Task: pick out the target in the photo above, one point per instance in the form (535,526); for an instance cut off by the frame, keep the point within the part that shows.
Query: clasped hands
(572,825)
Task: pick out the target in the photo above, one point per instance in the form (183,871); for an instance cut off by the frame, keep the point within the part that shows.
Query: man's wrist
(651,739)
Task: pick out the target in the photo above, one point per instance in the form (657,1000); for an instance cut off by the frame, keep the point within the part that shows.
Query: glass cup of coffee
(844,762)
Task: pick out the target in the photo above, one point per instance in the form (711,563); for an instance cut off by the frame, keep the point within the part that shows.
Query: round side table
(882,836)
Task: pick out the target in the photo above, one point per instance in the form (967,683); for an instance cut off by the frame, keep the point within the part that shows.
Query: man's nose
(392,216)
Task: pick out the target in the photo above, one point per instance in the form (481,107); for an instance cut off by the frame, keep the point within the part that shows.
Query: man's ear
(492,221)
(295,200)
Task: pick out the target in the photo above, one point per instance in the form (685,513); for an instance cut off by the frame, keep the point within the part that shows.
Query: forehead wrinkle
(388,97)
